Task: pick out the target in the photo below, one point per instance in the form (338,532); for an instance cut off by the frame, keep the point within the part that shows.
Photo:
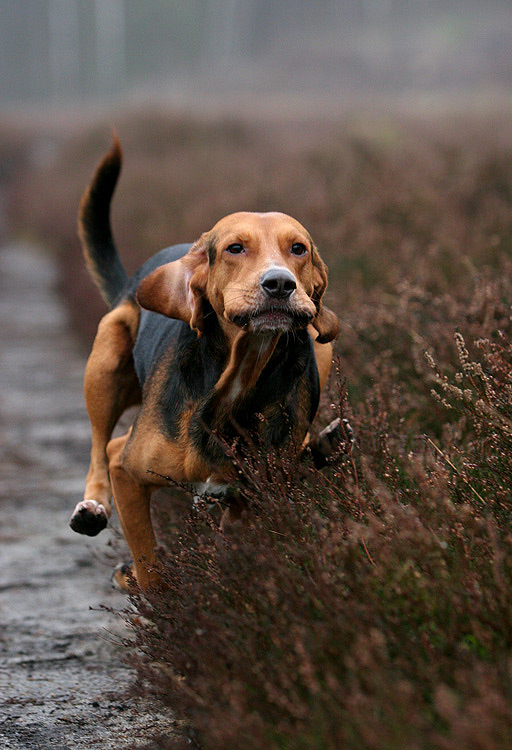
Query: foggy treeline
(69,49)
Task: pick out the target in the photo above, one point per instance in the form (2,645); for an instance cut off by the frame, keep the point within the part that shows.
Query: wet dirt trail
(63,683)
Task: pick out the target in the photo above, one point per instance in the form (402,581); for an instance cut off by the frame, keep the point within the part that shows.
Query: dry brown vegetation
(369,606)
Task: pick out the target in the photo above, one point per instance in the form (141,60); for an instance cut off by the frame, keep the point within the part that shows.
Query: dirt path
(61,679)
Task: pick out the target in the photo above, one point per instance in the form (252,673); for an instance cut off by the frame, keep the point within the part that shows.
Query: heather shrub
(388,338)
(480,395)
(370,606)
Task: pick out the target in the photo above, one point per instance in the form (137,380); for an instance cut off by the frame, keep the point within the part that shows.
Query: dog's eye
(298,248)
(235,249)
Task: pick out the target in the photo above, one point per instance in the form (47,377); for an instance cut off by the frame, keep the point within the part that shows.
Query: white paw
(89,517)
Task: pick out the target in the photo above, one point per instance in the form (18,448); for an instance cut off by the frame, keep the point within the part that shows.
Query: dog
(225,335)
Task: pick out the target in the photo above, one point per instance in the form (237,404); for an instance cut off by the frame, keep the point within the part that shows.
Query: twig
(367,553)
(452,466)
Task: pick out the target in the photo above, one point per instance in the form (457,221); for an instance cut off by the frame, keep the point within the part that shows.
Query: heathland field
(370,605)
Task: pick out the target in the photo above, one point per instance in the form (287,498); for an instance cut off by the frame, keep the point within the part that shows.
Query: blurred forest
(75,49)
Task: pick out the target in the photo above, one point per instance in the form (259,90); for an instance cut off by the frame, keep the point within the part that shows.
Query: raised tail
(100,252)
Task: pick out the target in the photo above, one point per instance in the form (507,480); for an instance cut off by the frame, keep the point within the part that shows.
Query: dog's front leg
(233,511)
(338,435)
(110,386)
(132,501)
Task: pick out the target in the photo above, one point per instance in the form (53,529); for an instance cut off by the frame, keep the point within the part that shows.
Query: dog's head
(259,272)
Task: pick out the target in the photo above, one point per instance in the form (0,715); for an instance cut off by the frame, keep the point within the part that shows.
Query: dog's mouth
(279,319)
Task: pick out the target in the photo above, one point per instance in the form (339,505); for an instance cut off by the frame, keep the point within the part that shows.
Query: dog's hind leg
(132,500)
(110,387)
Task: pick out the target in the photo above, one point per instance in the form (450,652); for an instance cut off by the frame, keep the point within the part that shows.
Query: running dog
(223,336)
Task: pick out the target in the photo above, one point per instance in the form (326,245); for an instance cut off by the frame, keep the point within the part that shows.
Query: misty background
(61,51)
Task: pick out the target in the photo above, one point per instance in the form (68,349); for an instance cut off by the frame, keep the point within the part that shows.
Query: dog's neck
(252,385)
(259,393)
(248,357)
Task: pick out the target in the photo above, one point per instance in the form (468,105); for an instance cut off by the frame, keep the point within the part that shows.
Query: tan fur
(110,387)
(323,356)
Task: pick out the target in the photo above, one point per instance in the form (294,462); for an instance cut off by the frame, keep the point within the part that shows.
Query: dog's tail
(100,252)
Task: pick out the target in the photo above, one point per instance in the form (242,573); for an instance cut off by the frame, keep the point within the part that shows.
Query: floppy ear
(319,275)
(177,289)
(325,321)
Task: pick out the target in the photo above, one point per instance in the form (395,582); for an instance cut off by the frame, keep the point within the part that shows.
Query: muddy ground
(63,681)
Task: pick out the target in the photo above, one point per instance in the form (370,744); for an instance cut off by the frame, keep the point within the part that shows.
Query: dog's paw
(337,435)
(89,517)
(123,577)
(347,434)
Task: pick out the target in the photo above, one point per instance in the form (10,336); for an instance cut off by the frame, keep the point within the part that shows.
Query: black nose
(278,283)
